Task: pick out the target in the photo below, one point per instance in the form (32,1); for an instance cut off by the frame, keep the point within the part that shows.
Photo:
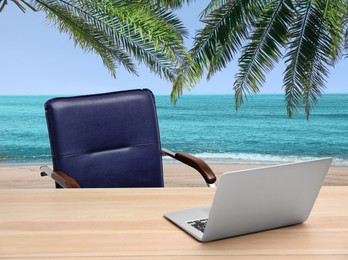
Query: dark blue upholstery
(106,140)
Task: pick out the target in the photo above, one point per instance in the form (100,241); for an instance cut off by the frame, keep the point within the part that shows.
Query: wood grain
(128,223)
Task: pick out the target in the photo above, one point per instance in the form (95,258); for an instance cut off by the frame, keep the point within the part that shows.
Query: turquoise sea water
(207,126)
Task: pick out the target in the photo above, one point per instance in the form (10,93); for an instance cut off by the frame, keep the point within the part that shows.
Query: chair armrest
(59,177)
(195,163)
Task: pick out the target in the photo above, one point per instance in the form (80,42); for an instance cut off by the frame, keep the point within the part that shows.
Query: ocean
(207,126)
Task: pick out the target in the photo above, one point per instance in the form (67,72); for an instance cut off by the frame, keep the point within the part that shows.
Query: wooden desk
(128,223)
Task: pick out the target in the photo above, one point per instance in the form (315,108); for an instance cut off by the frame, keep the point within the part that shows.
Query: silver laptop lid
(252,200)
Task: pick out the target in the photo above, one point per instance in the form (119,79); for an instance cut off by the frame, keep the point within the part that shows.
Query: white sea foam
(244,158)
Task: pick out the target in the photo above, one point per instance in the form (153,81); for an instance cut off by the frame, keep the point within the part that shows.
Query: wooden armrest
(195,163)
(59,177)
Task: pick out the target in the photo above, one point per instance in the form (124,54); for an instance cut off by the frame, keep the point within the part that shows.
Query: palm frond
(214,4)
(117,29)
(27,4)
(21,4)
(336,19)
(225,30)
(345,26)
(263,51)
(231,43)
(172,4)
(318,56)
(313,35)
(346,42)
(147,33)
(87,36)
(327,41)
(3,3)
(188,74)
(296,60)
(315,45)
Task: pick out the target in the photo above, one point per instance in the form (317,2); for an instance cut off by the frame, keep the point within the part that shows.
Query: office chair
(109,140)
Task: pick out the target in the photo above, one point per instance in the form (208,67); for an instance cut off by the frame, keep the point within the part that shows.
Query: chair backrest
(106,140)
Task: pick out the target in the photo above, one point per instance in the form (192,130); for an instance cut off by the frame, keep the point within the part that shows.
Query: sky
(36,59)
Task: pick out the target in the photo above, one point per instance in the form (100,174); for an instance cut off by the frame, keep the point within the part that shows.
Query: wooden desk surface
(128,223)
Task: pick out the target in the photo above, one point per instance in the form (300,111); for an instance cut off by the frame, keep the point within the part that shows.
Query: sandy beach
(28,177)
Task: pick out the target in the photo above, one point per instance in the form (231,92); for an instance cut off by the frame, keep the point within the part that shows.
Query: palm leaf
(296,60)
(172,4)
(212,6)
(346,42)
(312,34)
(327,41)
(223,34)
(3,3)
(19,3)
(149,34)
(315,45)
(27,4)
(263,51)
(86,36)
(229,44)
(336,19)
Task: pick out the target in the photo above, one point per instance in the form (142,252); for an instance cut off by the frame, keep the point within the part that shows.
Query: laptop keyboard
(198,224)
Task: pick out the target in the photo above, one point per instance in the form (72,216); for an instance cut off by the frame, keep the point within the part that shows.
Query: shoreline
(175,175)
(231,159)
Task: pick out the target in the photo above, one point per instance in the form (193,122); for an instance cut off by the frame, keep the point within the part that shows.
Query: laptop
(254,200)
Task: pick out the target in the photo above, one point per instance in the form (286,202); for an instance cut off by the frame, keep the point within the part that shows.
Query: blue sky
(37,59)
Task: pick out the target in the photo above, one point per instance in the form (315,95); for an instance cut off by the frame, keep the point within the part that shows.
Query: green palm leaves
(310,35)
(21,4)
(316,43)
(121,32)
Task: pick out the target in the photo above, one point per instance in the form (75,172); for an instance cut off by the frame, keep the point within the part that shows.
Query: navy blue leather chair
(109,140)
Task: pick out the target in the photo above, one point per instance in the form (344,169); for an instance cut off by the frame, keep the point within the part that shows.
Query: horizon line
(186,94)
